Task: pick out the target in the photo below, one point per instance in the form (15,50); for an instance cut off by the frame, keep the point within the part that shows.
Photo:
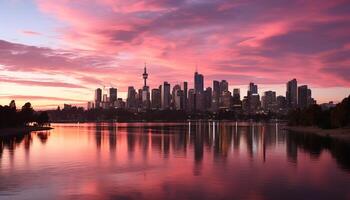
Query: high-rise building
(156,99)
(269,101)
(223,87)
(254,103)
(208,98)
(131,99)
(98,97)
(281,103)
(105,101)
(177,98)
(198,82)
(185,96)
(215,96)
(253,88)
(292,94)
(226,100)
(236,99)
(165,94)
(112,95)
(145,98)
(216,87)
(191,100)
(304,96)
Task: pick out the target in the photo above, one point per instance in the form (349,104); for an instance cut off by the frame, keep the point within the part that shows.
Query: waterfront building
(156,99)
(98,97)
(268,101)
(292,94)
(165,96)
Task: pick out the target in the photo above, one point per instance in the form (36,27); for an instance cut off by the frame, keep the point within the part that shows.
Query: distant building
(208,98)
(292,94)
(223,86)
(198,82)
(112,95)
(145,94)
(215,101)
(269,102)
(302,96)
(120,104)
(185,95)
(177,97)
(165,96)
(191,100)
(90,105)
(236,97)
(253,88)
(98,98)
(254,103)
(226,100)
(131,98)
(156,99)
(281,103)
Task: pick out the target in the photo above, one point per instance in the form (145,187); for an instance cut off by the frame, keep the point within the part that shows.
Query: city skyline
(212,99)
(55,52)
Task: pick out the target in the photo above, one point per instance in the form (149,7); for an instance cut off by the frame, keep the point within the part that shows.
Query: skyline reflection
(195,160)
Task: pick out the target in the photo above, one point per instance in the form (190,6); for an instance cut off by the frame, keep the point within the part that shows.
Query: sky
(58,51)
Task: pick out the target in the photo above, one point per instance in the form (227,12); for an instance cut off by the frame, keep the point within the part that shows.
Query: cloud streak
(106,42)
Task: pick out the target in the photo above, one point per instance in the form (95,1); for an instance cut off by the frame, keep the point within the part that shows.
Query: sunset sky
(58,51)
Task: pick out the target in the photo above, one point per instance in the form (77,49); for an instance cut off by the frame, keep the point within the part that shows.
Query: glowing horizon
(55,52)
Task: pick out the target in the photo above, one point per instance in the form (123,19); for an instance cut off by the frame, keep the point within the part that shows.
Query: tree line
(10,116)
(336,117)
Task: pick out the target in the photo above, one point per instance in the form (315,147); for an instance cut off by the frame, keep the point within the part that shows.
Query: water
(173,161)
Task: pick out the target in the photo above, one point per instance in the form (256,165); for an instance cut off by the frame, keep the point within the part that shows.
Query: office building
(292,94)
(165,96)
(98,97)
(156,99)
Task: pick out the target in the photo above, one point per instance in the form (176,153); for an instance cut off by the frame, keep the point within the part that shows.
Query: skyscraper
(303,96)
(208,98)
(165,94)
(269,101)
(112,95)
(177,97)
(198,82)
(253,88)
(292,94)
(185,96)
(236,99)
(223,87)
(131,99)
(191,100)
(156,99)
(98,97)
(215,96)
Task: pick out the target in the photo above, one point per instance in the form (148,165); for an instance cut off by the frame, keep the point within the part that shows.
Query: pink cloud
(30,33)
(108,42)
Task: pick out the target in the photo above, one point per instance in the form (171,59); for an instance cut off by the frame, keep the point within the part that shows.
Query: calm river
(197,160)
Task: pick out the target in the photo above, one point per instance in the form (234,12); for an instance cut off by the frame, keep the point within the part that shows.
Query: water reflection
(196,160)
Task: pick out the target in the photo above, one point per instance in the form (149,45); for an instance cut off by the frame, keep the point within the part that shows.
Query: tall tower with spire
(145,76)
(145,90)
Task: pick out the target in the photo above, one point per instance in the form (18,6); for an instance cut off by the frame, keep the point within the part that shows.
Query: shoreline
(21,130)
(340,133)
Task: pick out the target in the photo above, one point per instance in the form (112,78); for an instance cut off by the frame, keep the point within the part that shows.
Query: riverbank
(340,133)
(20,130)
